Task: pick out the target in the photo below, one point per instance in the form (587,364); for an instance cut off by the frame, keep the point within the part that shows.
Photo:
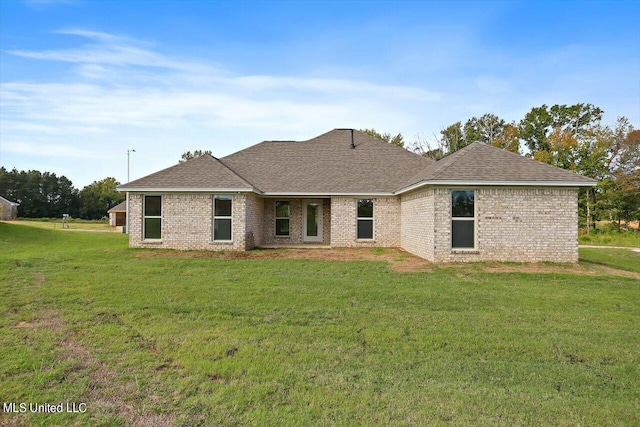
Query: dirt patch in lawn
(397,259)
(106,390)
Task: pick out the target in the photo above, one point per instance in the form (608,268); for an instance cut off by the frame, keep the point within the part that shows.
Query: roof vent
(352,146)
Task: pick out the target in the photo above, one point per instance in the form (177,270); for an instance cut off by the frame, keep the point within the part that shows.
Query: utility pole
(128,155)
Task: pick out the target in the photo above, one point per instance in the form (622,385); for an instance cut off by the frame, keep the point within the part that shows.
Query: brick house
(347,189)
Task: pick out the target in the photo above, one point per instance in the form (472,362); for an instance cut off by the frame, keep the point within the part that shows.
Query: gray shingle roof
(203,172)
(480,162)
(120,207)
(327,164)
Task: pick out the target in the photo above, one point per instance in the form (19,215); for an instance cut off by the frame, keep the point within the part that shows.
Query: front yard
(161,338)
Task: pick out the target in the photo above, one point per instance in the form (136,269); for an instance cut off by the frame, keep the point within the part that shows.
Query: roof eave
(187,190)
(325,193)
(497,184)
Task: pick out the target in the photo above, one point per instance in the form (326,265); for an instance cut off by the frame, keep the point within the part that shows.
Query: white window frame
(465,218)
(213,212)
(366,218)
(276,218)
(145,216)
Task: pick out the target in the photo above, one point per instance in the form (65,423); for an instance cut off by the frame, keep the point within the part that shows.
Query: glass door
(312,221)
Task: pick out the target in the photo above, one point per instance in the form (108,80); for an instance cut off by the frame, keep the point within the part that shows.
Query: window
(152,217)
(365,219)
(463,219)
(283,214)
(222,217)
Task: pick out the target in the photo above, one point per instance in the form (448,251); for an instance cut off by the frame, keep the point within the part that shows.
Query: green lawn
(146,336)
(623,259)
(74,224)
(629,238)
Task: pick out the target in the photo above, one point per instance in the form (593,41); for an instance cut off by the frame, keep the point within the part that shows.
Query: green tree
(453,138)
(40,194)
(98,197)
(539,123)
(386,137)
(196,153)
(485,128)
(509,140)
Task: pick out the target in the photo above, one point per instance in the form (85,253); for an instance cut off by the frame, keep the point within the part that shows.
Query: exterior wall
(513,224)
(187,222)
(254,231)
(117,218)
(8,210)
(295,222)
(417,223)
(386,222)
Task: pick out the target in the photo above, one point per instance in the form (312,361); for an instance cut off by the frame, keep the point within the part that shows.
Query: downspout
(127,223)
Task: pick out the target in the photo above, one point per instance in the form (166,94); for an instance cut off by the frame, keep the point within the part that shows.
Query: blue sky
(83,81)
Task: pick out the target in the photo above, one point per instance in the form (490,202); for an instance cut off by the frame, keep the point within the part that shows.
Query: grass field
(623,259)
(630,238)
(74,224)
(161,338)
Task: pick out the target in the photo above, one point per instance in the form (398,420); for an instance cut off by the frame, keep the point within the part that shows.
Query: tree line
(47,195)
(571,137)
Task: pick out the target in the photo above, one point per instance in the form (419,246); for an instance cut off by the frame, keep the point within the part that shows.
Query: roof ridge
(235,173)
(458,155)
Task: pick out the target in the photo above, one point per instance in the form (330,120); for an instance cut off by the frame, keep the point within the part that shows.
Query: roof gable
(120,207)
(479,162)
(9,201)
(201,173)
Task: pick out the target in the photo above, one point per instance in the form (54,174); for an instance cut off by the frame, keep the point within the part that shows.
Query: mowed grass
(197,340)
(74,224)
(623,259)
(629,238)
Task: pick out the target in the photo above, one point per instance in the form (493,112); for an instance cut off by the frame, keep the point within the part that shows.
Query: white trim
(127,213)
(319,237)
(276,218)
(186,190)
(145,216)
(365,218)
(230,217)
(325,195)
(467,183)
(474,218)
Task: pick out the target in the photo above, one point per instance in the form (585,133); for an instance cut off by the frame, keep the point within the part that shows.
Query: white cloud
(121,92)
(48,150)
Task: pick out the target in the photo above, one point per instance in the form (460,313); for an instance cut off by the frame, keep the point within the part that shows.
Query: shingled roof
(481,163)
(201,173)
(327,164)
(120,207)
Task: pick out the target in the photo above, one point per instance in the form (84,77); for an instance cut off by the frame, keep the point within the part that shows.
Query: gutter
(471,183)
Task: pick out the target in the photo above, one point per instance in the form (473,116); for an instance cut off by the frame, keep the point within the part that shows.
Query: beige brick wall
(295,222)
(512,224)
(386,222)
(187,221)
(417,234)
(254,230)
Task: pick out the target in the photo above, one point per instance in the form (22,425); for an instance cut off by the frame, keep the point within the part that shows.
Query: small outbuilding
(118,215)
(8,209)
